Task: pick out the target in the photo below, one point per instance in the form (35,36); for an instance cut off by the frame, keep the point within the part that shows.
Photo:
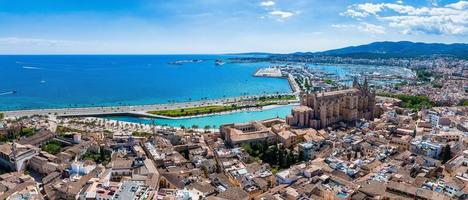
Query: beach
(136,110)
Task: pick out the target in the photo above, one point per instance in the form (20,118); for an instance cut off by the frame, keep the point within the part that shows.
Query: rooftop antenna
(365,83)
(355,82)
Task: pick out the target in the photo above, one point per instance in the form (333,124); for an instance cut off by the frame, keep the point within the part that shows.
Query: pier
(275,72)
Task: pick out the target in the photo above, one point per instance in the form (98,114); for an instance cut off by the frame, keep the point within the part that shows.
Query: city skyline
(233,99)
(203,27)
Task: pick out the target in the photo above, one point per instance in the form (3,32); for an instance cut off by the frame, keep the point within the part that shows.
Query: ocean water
(106,80)
(214,120)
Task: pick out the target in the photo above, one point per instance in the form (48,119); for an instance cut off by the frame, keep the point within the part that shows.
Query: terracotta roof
(234,193)
(121,164)
(203,187)
(175,179)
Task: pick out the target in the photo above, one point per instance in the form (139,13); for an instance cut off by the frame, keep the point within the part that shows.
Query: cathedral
(319,110)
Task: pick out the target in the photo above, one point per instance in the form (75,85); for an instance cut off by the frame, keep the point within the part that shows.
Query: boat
(219,62)
(175,63)
(180,62)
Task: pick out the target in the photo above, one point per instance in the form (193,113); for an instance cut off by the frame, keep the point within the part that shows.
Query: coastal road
(137,110)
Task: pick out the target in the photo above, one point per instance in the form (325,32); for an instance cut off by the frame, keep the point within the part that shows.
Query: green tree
(247,148)
(282,157)
(264,147)
(290,159)
(446,154)
(301,156)
(328,81)
(186,153)
(3,138)
(53,147)
(464,102)
(205,171)
(102,154)
(27,132)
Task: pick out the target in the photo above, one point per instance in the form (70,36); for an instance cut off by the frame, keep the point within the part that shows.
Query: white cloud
(431,25)
(281,14)
(354,14)
(461,5)
(267,3)
(403,9)
(399,2)
(451,19)
(342,25)
(370,8)
(434,2)
(363,27)
(274,12)
(372,28)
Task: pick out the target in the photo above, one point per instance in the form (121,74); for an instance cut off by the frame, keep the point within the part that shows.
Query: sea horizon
(144,54)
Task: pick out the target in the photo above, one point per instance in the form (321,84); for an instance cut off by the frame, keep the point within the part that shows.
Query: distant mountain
(252,54)
(398,49)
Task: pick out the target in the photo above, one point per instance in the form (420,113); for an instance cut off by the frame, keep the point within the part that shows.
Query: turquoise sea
(215,120)
(59,81)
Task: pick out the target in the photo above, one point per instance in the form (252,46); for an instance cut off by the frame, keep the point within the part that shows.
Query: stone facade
(14,156)
(319,110)
(251,132)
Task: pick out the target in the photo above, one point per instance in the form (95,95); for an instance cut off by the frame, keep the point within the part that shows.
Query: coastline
(141,110)
(132,110)
(79,81)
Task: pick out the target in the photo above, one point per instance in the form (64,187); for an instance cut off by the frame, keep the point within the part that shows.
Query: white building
(427,148)
(15,156)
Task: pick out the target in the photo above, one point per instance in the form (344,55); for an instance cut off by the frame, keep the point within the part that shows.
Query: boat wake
(28,67)
(8,93)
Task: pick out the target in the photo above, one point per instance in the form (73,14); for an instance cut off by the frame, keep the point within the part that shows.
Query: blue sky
(222,26)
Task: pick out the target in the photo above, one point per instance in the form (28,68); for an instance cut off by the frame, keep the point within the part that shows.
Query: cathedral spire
(366,84)
(355,82)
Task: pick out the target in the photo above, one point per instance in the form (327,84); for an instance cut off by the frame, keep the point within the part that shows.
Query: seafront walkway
(134,110)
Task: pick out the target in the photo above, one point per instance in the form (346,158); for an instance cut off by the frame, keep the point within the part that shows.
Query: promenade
(134,110)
